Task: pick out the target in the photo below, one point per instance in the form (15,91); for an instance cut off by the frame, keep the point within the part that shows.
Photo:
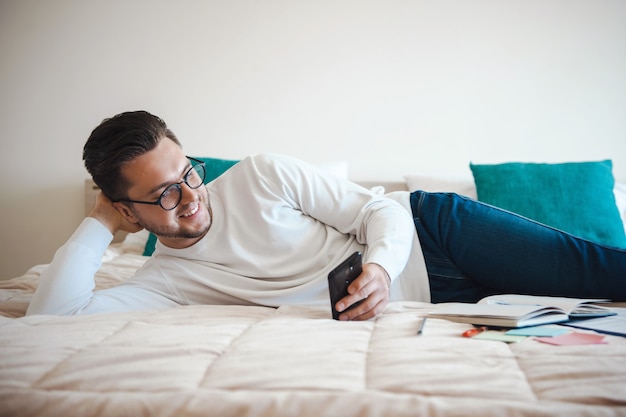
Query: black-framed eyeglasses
(172,195)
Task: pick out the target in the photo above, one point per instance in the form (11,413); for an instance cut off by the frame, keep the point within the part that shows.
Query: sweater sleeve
(67,285)
(380,223)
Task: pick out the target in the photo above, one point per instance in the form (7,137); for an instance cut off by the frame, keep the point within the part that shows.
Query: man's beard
(167,232)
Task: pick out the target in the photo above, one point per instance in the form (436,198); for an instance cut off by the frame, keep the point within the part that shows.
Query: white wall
(391,86)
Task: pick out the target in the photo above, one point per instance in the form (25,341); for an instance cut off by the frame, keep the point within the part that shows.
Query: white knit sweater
(279,226)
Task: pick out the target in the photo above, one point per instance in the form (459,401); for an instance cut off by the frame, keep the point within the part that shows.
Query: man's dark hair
(117,141)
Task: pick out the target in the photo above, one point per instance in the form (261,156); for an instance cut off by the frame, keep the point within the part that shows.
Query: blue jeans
(473,250)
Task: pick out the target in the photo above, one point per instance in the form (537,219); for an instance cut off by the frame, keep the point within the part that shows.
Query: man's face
(149,174)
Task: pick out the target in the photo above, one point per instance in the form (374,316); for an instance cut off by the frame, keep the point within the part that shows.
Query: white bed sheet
(291,361)
(256,361)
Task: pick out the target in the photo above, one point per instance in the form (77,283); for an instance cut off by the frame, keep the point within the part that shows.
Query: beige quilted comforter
(291,361)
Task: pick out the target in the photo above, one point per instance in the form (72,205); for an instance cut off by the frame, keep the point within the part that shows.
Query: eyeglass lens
(170,198)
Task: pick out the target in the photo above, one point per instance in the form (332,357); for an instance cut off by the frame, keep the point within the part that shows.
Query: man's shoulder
(271,158)
(271,163)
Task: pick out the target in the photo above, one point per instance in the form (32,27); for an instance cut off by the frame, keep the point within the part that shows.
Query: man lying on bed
(268,231)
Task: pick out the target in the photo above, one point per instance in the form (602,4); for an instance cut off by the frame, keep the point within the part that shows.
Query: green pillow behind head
(214,168)
(576,197)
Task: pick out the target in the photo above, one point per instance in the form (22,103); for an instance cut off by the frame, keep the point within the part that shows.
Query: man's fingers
(375,311)
(371,288)
(369,307)
(372,303)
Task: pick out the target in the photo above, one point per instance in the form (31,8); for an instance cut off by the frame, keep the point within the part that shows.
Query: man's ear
(126,212)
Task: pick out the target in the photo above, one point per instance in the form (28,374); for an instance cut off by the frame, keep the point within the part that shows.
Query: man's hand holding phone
(358,296)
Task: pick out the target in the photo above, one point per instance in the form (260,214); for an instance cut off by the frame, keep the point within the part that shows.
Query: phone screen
(340,278)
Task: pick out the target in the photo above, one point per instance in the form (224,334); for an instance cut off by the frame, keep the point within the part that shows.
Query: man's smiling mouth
(193,211)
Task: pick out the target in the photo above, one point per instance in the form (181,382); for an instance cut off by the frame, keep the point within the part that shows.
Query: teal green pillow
(214,168)
(576,197)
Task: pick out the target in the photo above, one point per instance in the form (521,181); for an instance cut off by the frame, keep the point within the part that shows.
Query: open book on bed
(512,310)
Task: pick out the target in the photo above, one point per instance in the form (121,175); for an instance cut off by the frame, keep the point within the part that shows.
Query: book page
(510,315)
(568,305)
(615,325)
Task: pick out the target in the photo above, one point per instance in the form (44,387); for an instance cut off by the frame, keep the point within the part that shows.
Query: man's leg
(474,249)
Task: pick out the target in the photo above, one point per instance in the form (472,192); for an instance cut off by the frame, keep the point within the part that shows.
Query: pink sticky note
(574,338)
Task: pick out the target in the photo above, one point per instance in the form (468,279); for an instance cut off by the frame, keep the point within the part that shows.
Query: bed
(289,361)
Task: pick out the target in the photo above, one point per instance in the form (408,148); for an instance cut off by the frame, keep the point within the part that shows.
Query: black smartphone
(340,278)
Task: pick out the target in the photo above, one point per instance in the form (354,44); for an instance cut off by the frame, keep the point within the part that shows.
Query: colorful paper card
(544,331)
(572,339)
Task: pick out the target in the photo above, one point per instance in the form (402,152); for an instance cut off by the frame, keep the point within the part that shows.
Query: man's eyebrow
(166,184)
